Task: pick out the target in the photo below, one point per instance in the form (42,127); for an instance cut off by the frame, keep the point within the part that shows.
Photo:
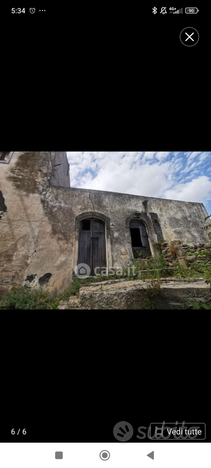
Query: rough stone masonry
(46,225)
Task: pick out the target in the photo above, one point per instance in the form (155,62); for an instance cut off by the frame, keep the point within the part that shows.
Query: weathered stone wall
(169,255)
(60,175)
(189,253)
(177,219)
(180,220)
(40,216)
(25,230)
(197,253)
(120,208)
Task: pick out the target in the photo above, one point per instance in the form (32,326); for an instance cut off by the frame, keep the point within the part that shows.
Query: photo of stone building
(48,227)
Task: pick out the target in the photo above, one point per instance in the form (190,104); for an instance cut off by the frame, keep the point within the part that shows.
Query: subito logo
(123,431)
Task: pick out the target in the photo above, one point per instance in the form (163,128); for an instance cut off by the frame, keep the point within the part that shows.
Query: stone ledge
(132,295)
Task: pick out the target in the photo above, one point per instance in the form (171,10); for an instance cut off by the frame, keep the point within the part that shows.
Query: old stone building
(48,228)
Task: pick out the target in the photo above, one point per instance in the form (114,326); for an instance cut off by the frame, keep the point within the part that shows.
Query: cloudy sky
(172,175)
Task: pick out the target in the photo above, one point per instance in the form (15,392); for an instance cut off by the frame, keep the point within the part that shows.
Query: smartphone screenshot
(105,235)
(160,444)
(105,230)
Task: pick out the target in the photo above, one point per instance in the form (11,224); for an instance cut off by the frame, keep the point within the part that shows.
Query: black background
(72,377)
(93,77)
(101,78)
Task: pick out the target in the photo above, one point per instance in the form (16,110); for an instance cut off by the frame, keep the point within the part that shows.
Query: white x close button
(189,36)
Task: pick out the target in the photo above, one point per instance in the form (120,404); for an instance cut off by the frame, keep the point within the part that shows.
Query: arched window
(139,238)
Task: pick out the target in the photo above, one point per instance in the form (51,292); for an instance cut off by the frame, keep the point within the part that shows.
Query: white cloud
(194,154)
(147,156)
(203,157)
(121,172)
(161,155)
(196,190)
(144,173)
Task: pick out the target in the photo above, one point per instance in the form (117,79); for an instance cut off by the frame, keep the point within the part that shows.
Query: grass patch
(141,255)
(25,299)
(157,274)
(29,299)
(149,274)
(203,268)
(161,264)
(180,271)
(197,305)
(73,288)
(151,293)
(207,254)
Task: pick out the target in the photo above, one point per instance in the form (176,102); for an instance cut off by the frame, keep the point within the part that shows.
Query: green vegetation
(23,298)
(155,269)
(203,268)
(208,225)
(161,263)
(141,255)
(203,252)
(197,305)
(149,274)
(157,274)
(151,294)
(179,271)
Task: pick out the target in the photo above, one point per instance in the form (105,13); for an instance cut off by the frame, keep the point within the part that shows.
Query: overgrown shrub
(26,299)
(161,263)
(151,293)
(179,271)
(149,274)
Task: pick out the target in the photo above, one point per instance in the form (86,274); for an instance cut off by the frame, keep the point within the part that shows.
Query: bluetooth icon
(154,10)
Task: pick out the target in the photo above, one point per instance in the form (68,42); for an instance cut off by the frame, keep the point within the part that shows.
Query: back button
(151,455)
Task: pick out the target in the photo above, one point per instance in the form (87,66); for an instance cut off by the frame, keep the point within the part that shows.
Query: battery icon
(191,10)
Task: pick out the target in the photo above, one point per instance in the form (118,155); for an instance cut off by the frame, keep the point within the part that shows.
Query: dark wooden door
(92,249)
(143,234)
(85,245)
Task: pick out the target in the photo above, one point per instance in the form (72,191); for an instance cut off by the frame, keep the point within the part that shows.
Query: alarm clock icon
(32,10)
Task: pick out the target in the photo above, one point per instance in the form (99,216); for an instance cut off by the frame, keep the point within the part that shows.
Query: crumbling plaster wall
(40,224)
(181,220)
(28,245)
(176,219)
(63,208)
(60,175)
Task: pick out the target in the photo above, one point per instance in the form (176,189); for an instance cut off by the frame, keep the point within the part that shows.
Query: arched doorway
(92,247)
(139,238)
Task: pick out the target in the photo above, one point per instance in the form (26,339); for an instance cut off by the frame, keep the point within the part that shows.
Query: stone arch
(92,214)
(97,215)
(147,222)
